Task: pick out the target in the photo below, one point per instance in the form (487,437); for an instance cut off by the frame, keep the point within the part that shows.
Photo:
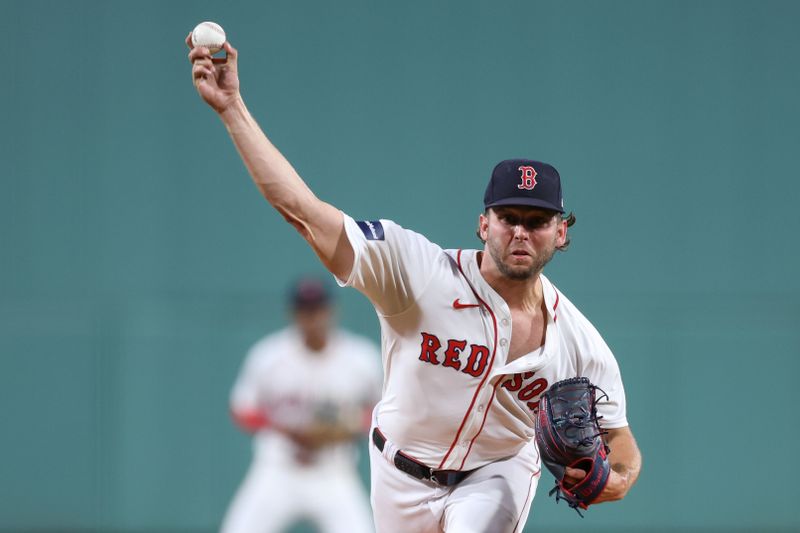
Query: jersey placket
(498,336)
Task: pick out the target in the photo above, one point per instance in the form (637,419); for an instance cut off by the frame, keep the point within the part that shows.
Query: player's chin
(519,272)
(520,262)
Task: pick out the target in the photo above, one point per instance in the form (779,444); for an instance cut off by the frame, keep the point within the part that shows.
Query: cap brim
(527,202)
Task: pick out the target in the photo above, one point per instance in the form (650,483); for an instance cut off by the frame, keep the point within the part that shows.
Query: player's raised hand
(216,79)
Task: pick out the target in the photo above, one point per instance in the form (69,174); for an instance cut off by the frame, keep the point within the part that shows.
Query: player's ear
(561,238)
(483,226)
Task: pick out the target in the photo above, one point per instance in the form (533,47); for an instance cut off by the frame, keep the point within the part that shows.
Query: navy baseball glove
(568,434)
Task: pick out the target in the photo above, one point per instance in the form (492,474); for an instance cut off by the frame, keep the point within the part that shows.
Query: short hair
(570,220)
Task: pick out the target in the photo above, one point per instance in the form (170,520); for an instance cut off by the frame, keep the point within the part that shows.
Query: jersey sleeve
(247,394)
(602,369)
(392,265)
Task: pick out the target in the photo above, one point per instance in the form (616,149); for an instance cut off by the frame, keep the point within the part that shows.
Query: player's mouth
(519,256)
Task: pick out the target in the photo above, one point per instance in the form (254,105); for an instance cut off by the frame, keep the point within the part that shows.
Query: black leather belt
(445,478)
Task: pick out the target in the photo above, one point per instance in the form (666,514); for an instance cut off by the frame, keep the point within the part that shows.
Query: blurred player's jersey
(296,387)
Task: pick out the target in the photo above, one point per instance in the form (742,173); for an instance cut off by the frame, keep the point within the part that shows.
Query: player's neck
(526,294)
(315,343)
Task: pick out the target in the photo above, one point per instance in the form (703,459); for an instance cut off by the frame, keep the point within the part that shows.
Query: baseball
(209,34)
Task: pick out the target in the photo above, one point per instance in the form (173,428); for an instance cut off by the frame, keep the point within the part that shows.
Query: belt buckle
(435,480)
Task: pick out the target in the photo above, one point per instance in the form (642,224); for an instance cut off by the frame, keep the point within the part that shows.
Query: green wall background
(138,262)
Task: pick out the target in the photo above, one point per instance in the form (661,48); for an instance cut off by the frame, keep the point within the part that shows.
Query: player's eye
(536,222)
(510,220)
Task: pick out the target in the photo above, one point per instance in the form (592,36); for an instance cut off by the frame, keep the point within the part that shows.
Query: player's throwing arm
(321,224)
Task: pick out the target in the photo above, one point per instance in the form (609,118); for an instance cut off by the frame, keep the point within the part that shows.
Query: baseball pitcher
(471,341)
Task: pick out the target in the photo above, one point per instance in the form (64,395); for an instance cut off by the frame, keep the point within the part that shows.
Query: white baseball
(209,34)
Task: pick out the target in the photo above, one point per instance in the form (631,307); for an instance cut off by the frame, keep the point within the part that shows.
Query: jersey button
(504,321)
(480,408)
(503,342)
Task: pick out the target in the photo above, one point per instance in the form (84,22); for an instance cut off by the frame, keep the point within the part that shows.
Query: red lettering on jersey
(454,349)
(514,383)
(530,391)
(534,388)
(477,361)
(430,343)
(528,178)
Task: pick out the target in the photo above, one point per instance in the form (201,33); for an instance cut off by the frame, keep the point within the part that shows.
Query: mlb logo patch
(372,229)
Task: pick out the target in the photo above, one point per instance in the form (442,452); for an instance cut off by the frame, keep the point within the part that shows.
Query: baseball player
(306,391)
(470,338)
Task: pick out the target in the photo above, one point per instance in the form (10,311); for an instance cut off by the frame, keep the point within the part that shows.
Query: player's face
(314,323)
(522,240)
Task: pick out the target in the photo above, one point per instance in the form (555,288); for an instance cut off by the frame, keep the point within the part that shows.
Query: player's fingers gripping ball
(568,435)
(208,34)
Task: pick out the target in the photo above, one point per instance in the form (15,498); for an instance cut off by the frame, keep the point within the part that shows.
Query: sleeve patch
(372,229)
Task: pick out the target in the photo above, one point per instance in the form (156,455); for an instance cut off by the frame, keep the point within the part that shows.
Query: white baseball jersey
(294,385)
(450,398)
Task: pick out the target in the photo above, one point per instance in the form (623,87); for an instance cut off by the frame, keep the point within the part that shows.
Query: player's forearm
(626,463)
(271,172)
(320,435)
(338,433)
(348,426)
(318,222)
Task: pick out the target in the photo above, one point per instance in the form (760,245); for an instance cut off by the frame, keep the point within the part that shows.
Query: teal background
(139,262)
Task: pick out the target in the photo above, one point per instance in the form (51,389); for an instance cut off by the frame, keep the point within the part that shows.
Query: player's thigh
(264,503)
(341,504)
(400,502)
(495,499)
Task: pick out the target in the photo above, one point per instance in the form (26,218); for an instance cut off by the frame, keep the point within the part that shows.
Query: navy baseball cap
(309,293)
(524,182)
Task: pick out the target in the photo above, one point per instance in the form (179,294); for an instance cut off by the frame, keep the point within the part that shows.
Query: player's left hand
(613,491)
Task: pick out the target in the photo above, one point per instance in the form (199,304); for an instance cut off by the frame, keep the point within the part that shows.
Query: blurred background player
(306,392)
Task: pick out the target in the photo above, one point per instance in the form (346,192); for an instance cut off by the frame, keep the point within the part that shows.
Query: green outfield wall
(138,261)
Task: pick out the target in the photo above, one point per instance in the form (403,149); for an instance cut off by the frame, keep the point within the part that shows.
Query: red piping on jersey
(480,385)
(555,317)
(485,414)
(528,497)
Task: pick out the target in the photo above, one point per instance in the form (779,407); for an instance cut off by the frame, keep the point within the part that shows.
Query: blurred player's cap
(309,293)
(524,182)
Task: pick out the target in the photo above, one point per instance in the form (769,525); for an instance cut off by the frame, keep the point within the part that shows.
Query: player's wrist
(234,111)
(617,487)
(251,421)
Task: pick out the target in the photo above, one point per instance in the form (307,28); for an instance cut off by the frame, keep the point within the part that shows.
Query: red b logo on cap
(528,178)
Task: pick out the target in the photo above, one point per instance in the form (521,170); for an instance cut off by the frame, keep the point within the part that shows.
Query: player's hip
(501,491)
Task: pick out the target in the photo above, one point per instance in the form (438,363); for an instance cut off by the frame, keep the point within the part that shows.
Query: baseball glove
(568,434)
